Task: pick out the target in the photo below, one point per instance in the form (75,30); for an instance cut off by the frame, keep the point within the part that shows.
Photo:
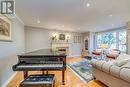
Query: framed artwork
(61,36)
(5,29)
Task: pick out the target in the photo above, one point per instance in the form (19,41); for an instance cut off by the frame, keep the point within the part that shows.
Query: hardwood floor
(71,79)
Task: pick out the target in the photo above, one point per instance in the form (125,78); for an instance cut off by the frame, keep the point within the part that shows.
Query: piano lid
(43,52)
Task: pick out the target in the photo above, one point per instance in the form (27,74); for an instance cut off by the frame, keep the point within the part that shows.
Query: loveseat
(113,73)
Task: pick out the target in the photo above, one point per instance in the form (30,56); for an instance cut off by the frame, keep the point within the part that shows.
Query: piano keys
(45,66)
(41,60)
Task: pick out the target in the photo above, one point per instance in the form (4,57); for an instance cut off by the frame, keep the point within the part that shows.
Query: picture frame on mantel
(5,29)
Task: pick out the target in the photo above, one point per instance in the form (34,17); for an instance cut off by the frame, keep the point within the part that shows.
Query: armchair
(113,54)
(97,53)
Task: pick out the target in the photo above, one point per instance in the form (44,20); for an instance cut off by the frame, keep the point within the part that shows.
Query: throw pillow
(119,63)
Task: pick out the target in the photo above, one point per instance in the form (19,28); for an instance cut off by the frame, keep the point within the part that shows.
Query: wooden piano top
(44,52)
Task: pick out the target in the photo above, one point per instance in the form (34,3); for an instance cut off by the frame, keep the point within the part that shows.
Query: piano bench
(38,80)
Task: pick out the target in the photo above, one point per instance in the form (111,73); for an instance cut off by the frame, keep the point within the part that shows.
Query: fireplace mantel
(61,45)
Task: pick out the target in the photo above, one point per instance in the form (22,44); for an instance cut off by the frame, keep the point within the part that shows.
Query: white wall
(76,49)
(128,37)
(39,38)
(91,41)
(9,50)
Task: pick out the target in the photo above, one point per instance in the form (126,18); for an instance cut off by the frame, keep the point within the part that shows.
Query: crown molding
(19,19)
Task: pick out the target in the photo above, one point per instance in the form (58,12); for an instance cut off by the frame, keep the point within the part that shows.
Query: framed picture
(61,36)
(5,29)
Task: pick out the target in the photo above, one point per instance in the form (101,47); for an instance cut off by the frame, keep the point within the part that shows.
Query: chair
(113,54)
(97,53)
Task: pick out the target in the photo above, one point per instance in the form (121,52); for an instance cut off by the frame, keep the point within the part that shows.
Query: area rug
(83,68)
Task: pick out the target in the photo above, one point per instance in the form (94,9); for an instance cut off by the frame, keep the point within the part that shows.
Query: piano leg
(25,74)
(63,77)
(43,72)
(46,72)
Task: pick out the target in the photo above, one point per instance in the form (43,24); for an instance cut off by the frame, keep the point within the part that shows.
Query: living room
(75,43)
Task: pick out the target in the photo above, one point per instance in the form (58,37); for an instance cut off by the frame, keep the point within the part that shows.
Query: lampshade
(104,46)
(67,36)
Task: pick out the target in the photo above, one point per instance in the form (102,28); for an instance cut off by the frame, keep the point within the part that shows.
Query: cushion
(94,62)
(96,53)
(111,56)
(114,52)
(119,63)
(125,74)
(115,71)
(127,65)
(98,50)
(106,66)
(123,56)
(99,64)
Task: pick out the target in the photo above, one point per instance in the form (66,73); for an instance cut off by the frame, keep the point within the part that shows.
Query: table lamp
(104,46)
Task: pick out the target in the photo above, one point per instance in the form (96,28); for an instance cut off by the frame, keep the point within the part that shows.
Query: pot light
(88,5)
(63,26)
(78,28)
(110,15)
(112,24)
(38,21)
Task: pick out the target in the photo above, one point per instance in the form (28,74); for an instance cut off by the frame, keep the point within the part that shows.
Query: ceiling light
(112,24)
(63,26)
(88,4)
(38,21)
(110,15)
(78,28)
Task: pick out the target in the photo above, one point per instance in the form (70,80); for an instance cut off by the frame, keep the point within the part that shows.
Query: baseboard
(7,82)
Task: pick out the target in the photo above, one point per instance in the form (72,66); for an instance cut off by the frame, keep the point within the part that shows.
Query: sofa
(113,72)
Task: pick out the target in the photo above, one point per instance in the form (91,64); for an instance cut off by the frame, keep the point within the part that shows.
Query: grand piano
(41,60)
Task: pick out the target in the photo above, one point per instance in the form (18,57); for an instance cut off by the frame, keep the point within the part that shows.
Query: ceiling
(74,15)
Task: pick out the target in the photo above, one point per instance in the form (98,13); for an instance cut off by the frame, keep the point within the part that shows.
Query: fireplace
(64,48)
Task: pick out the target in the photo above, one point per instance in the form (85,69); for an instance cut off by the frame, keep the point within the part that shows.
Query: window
(99,40)
(115,39)
(110,39)
(122,41)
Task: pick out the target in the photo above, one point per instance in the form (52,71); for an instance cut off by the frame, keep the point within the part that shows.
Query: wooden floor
(71,79)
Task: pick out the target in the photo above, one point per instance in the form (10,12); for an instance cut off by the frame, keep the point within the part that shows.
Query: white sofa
(113,73)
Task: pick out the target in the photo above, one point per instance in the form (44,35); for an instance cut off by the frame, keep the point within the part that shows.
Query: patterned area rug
(83,69)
